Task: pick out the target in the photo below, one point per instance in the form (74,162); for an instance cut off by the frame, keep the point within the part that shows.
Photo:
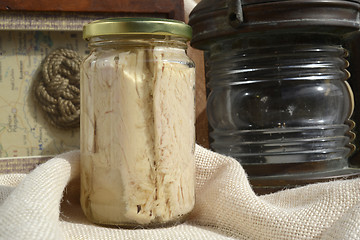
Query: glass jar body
(280,99)
(137,131)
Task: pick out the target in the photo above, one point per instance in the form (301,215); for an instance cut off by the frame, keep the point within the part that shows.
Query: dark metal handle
(235,13)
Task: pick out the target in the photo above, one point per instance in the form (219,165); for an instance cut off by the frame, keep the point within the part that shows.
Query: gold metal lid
(155,26)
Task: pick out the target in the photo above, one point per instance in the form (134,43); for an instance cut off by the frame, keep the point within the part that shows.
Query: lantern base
(270,184)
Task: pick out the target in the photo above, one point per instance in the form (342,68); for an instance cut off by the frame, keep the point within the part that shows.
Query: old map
(24,130)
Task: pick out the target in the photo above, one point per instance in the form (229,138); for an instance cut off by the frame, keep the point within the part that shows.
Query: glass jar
(137,123)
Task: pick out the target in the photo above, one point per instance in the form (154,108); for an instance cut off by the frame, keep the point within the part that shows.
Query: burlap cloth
(35,206)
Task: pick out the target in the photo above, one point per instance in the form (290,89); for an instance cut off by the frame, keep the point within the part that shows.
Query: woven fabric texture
(36,206)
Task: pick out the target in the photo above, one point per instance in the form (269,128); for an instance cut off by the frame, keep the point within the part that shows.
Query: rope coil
(58,90)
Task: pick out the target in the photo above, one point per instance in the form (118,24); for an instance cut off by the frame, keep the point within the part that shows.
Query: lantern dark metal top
(213,19)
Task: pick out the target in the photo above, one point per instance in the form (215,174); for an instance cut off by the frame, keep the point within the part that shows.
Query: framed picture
(29,32)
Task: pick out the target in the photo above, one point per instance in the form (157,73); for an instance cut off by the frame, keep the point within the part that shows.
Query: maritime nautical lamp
(279,101)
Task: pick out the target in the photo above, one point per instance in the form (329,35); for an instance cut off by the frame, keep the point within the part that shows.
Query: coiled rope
(58,90)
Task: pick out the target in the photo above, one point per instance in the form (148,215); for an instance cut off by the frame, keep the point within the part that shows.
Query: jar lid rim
(132,25)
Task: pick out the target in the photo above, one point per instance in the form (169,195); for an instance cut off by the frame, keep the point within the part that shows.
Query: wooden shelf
(167,8)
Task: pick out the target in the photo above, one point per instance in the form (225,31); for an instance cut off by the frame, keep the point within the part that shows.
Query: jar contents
(137,148)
